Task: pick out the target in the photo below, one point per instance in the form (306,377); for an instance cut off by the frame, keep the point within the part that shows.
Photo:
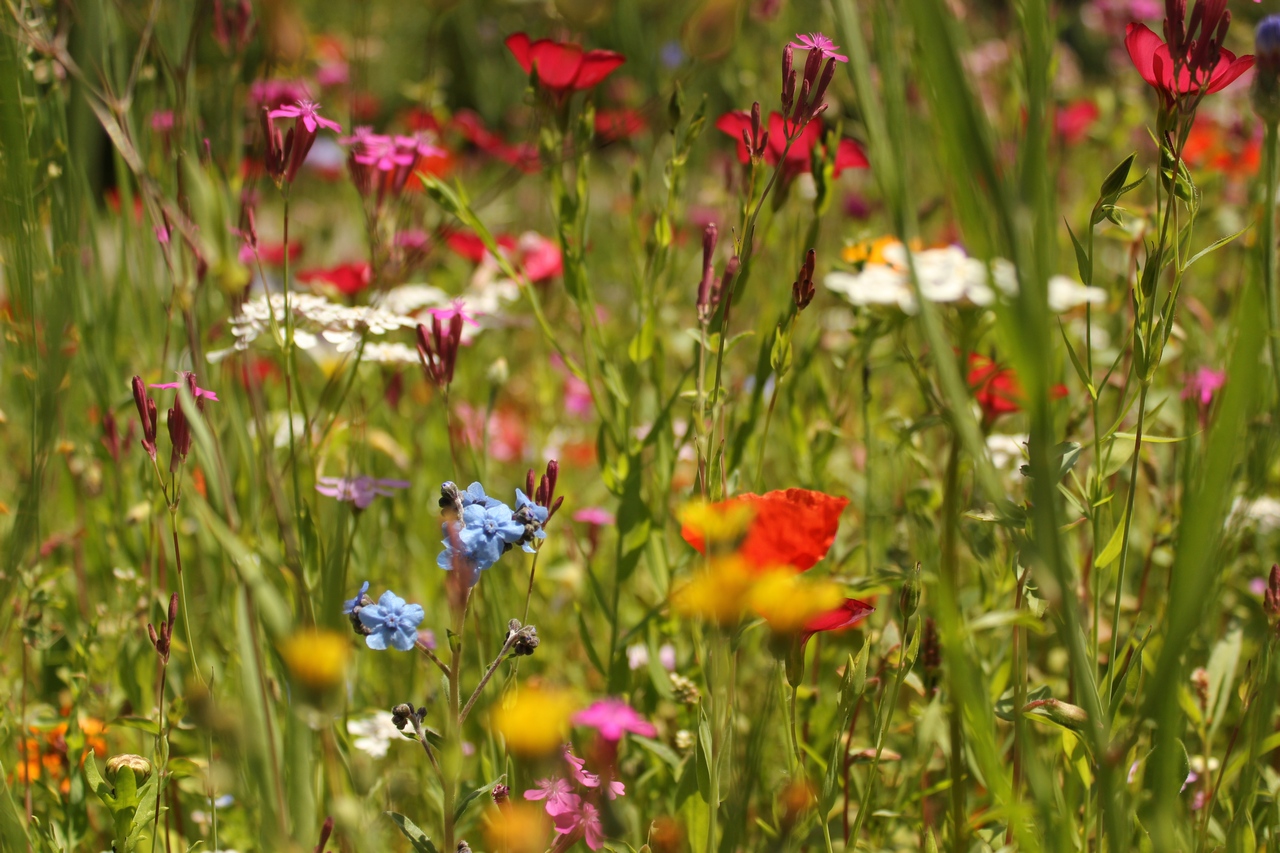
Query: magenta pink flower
(1202,384)
(820,43)
(595,516)
(456,308)
(308,113)
(162,121)
(200,392)
(555,791)
(613,718)
(581,821)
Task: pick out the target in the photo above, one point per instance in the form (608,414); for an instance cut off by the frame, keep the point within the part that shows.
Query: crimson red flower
(349,279)
(849,154)
(997,388)
(523,156)
(1154,61)
(1074,120)
(624,123)
(563,68)
(534,255)
(792,528)
(468,244)
(846,615)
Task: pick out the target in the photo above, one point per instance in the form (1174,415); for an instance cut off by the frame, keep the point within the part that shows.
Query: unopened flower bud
(684,690)
(501,795)
(499,372)
(709,237)
(136,764)
(1063,713)
(802,289)
(401,714)
(788,81)
(909,598)
(1271,599)
(1266,74)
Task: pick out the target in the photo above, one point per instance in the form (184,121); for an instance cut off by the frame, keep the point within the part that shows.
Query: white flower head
(373,735)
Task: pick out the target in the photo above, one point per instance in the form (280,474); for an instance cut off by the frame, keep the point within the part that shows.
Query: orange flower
(792,528)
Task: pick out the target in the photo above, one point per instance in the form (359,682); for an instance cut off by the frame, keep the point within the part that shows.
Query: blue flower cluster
(389,622)
(479,529)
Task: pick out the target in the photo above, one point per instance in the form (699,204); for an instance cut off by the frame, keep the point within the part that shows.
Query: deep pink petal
(849,155)
(557,64)
(1228,69)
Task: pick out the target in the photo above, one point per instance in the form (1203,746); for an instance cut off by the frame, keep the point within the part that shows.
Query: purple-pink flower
(557,794)
(200,392)
(457,308)
(307,113)
(358,490)
(1202,384)
(613,718)
(587,779)
(594,515)
(820,43)
(582,820)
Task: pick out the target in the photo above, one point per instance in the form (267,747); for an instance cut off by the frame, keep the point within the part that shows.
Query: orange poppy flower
(795,528)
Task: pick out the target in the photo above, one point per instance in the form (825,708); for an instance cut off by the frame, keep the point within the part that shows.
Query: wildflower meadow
(639,425)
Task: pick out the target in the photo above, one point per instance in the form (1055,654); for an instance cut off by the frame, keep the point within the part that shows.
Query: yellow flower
(518,828)
(535,721)
(317,658)
(872,251)
(721,526)
(718,593)
(788,602)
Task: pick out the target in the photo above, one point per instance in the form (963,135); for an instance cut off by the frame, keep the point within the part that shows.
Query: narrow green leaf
(418,838)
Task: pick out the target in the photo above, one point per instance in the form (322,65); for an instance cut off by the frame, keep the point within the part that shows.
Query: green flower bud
(909,598)
(140,766)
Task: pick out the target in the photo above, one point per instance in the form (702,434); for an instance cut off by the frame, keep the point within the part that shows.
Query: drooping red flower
(349,279)
(562,68)
(1154,60)
(849,154)
(795,528)
(1072,122)
(997,388)
(848,614)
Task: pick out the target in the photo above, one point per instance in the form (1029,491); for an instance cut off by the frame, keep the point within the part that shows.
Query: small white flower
(1263,513)
(637,655)
(374,734)
(1005,448)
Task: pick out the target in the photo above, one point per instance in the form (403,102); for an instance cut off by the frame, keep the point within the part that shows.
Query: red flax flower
(1190,59)
(846,615)
(997,388)
(792,528)
(849,154)
(562,68)
(349,279)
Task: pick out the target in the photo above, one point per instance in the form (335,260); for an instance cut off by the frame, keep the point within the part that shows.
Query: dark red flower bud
(709,237)
(146,414)
(803,290)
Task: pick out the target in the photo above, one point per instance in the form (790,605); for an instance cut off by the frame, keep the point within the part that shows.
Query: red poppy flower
(846,615)
(468,244)
(1154,62)
(793,528)
(849,154)
(613,125)
(997,389)
(563,67)
(349,278)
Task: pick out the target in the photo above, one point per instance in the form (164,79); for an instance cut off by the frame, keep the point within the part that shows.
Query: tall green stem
(1271,159)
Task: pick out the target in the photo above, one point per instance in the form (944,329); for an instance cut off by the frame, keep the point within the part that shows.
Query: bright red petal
(849,155)
(793,528)
(734,123)
(1142,44)
(846,615)
(1228,69)
(466,244)
(597,65)
(518,44)
(557,64)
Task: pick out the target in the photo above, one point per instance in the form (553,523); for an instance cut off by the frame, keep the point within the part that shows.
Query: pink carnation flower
(613,718)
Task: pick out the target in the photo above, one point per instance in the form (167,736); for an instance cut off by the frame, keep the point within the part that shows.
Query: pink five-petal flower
(613,718)
(308,113)
(583,821)
(820,43)
(594,515)
(1151,56)
(559,799)
(1202,384)
(562,67)
(200,392)
(456,308)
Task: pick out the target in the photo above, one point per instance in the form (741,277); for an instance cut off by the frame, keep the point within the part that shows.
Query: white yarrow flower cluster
(315,319)
(947,275)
